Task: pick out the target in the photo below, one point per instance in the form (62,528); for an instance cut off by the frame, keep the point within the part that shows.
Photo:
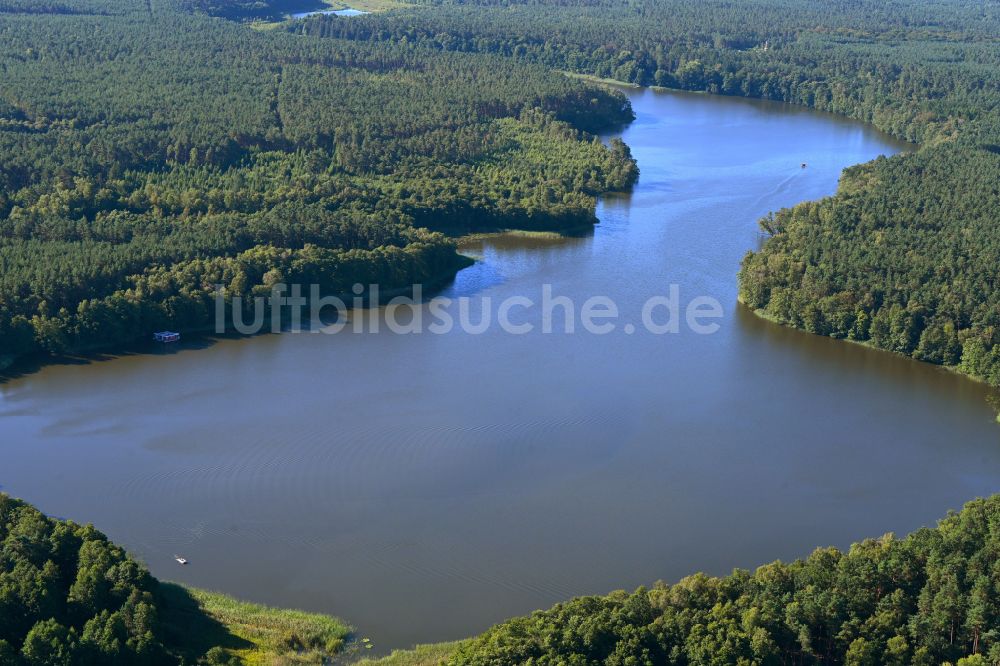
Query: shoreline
(615,83)
(14,367)
(951,369)
(760,313)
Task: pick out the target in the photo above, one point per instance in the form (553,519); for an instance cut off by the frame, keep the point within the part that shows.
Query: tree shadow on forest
(187,630)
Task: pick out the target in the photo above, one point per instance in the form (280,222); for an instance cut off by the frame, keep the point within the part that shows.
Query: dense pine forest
(148,153)
(905,256)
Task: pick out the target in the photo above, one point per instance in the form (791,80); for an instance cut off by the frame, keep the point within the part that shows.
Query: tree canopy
(69,596)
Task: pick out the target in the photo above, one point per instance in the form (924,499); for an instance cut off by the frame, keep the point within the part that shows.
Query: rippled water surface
(423,487)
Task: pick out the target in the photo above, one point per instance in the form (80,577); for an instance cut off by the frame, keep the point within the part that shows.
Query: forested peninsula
(904,257)
(150,151)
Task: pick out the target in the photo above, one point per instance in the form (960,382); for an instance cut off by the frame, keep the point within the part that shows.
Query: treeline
(146,152)
(69,596)
(904,257)
(931,598)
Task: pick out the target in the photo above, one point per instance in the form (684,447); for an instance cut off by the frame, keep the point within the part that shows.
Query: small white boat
(180,560)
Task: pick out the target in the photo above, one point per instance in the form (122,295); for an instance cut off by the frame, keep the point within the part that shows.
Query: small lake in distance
(423,487)
(347,11)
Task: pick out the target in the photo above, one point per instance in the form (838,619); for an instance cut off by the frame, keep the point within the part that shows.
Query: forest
(904,256)
(68,595)
(149,153)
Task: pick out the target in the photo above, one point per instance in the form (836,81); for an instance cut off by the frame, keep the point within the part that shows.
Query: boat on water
(180,560)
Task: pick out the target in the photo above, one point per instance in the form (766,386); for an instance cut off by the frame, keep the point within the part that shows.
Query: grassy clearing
(614,83)
(265,25)
(422,655)
(246,633)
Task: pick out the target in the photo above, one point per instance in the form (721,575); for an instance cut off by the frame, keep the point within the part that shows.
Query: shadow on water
(29,365)
(854,358)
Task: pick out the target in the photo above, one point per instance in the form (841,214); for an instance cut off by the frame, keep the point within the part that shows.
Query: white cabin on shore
(166,336)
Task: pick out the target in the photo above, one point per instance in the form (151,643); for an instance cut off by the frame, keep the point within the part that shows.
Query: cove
(425,486)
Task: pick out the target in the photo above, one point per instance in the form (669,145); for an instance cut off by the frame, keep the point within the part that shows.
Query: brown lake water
(423,487)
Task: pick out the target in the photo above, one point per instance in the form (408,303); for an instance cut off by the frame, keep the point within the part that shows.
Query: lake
(347,11)
(426,486)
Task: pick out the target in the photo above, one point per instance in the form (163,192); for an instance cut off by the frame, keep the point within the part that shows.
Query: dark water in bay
(425,486)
